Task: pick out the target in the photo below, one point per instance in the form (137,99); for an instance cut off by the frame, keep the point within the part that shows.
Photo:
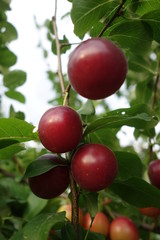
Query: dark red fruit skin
(154,173)
(52,183)
(123,228)
(94,167)
(60,129)
(97,68)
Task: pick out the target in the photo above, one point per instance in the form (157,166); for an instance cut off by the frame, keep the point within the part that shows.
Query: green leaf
(144,91)
(140,64)
(14,114)
(68,232)
(38,228)
(139,116)
(137,192)
(95,236)
(39,167)
(129,165)
(105,136)
(87,108)
(153,19)
(130,35)
(18,96)
(147,6)
(2,237)
(85,14)
(8,32)
(10,151)
(91,202)
(14,79)
(35,206)
(13,190)
(12,130)
(7,58)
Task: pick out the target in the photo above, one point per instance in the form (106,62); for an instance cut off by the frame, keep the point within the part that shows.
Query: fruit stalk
(75,207)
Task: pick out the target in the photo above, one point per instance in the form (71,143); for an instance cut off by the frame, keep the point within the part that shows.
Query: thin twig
(58,48)
(112,19)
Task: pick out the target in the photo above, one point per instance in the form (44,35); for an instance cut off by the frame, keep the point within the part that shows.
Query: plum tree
(97,68)
(94,167)
(53,182)
(60,129)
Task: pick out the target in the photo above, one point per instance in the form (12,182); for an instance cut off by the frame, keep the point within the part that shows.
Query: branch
(116,14)
(75,207)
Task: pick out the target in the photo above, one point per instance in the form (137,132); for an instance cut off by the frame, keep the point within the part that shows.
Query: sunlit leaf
(139,116)
(12,129)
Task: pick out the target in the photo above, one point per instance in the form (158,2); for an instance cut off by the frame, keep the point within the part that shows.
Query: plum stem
(112,18)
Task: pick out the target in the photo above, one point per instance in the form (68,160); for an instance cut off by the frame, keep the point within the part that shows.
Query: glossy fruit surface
(97,68)
(154,173)
(94,167)
(60,129)
(68,209)
(100,223)
(52,183)
(150,211)
(123,228)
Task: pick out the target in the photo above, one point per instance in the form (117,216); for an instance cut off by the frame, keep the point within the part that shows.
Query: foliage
(135,27)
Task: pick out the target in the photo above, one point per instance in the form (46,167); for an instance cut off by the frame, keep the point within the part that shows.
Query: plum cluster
(119,228)
(97,68)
